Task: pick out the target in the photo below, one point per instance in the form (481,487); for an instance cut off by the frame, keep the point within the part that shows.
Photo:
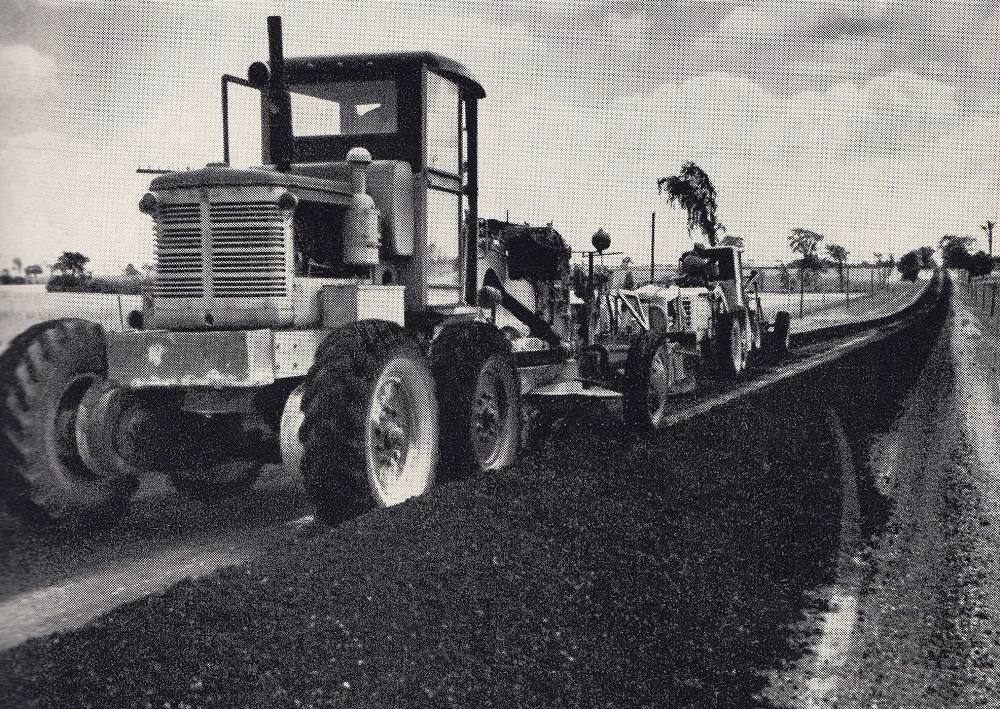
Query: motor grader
(657,340)
(349,317)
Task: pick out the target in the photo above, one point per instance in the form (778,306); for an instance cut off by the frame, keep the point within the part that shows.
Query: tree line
(70,274)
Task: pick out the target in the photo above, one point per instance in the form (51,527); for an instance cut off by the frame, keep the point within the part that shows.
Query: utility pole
(652,250)
(988,228)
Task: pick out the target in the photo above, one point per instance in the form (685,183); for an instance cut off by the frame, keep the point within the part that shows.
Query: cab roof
(302,68)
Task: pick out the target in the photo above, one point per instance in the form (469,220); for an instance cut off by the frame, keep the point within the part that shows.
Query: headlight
(147,205)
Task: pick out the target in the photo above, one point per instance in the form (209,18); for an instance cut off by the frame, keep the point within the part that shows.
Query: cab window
(442,124)
(344,108)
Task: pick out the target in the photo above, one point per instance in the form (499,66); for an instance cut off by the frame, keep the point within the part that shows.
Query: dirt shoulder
(925,629)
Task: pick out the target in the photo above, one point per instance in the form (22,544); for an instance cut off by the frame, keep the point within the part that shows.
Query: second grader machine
(342,315)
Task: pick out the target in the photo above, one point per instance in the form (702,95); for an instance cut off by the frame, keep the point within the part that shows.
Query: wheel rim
(490,409)
(736,347)
(291,421)
(98,426)
(398,441)
(390,424)
(656,391)
(63,430)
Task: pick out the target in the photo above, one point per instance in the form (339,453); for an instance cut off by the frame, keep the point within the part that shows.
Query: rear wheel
(208,458)
(370,421)
(480,399)
(781,335)
(211,458)
(47,374)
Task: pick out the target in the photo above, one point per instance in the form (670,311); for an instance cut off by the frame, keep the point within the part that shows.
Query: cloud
(28,81)
(866,121)
(23,70)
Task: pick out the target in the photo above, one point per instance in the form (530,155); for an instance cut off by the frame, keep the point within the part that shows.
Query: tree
(955,250)
(926,254)
(805,242)
(912,263)
(785,277)
(694,192)
(839,254)
(979,264)
(17,263)
(131,272)
(33,271)
(72,262)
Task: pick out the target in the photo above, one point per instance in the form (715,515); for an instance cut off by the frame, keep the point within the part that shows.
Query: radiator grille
(248,250)
(179,261)
(686,313)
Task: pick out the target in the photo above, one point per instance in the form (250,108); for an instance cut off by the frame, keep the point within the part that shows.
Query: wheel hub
(67,423)
(390,424)
(489,410)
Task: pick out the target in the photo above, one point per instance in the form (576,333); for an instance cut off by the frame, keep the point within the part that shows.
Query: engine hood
(223,176)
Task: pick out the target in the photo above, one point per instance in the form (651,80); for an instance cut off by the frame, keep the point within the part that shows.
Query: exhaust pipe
(279,102)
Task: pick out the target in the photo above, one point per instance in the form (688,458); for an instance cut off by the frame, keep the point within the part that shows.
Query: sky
(872,122)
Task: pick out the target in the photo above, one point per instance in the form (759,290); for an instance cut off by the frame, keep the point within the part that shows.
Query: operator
(696,268)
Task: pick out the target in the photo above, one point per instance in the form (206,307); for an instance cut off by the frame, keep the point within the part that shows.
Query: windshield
(344,108)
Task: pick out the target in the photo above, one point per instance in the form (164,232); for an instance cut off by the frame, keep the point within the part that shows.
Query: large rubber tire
(729,345)
(479,395)
(645,403)
(370,421)
(48,371)
(781,337)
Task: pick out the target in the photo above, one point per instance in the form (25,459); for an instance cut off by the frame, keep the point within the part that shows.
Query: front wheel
(370,420)
(46,433)
(480,399)
(731,353)
(654,372)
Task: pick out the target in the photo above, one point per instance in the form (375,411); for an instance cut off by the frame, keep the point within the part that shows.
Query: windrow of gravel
(600,571)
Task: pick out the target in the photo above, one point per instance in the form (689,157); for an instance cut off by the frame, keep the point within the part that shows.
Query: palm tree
(693,191)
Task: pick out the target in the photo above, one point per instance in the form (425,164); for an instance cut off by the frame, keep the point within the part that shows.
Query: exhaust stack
(279,102)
